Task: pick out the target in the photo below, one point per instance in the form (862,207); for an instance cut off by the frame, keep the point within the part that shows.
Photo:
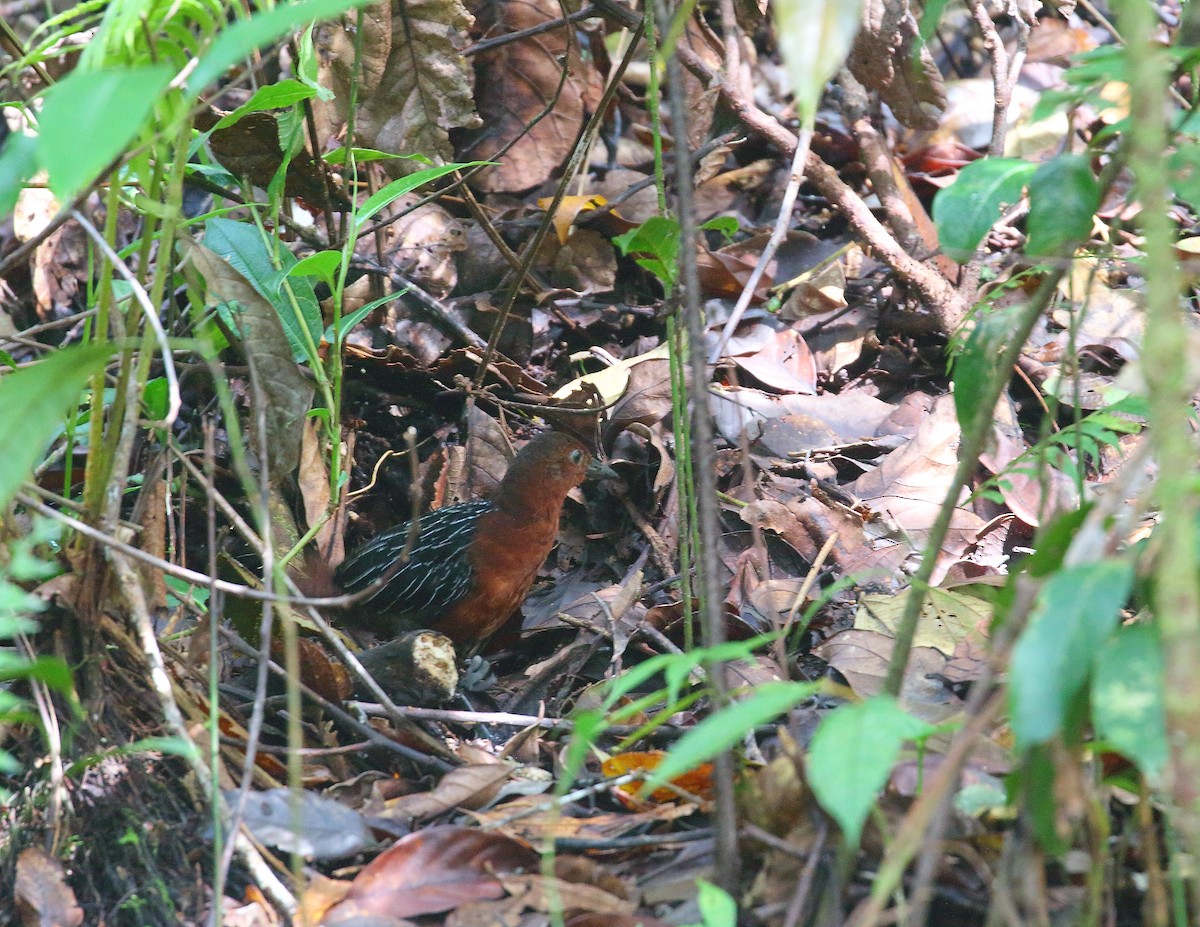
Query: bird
(470,565)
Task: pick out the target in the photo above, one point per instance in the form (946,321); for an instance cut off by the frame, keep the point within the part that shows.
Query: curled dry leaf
(435,870)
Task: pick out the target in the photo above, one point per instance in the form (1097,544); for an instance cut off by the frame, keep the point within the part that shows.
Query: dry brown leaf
(414,84)
(434,870)
(696,782)
(463,787)
(41,892)
(321,894)
(542,894)
(946,618)
(514,84)
(863,657)
(288,392)
(910,484)
(784,363)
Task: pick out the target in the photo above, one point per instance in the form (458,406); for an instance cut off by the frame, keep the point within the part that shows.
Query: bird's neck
(523,502)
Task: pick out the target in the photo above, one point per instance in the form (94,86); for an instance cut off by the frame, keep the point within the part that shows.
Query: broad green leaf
(33,403)
(975,367)
(243,247)
(966,210)
(18,162)
(239,40)
(323,264)
(1063,199)
(1127,697)
(717,906)
(406,184)
(814,39)
(726,728)
(274,96)
(89,118)
(655,246)
(1076,612)
(852,754)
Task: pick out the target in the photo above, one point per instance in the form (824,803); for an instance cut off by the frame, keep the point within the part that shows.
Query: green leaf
(18,162)
(89,117)
(852,754)
(33,403)
(323,264)
(967,209)
(1184,164)
(397,188)
(1127,697)
(239,40)
(726,225)
(244,248)
(726,728)
(362,155)
(275,96)
(975,366)
(1076,612)
(717,906)
(50,670)
(655,246)
(814,39)
(1063,199)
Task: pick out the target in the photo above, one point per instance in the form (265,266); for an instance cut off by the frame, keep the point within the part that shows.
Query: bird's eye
(577,456)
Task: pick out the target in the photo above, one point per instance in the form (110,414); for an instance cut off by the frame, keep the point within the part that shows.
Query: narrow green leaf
(966,210)
(1127,697)
(406,184)
(726,728)
(89,117)
(362,155)
(1063,198)
(49,670)
(274,96)
(1076,612)
(852,754)
(33,401)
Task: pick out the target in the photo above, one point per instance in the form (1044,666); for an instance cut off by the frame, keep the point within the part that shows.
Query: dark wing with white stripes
(437,573)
